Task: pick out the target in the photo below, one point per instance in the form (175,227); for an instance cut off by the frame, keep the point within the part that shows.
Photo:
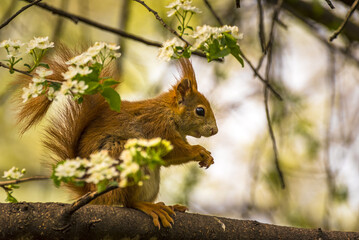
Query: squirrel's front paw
(207,159)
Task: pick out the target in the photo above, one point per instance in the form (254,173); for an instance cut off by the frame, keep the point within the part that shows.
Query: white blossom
(32,91)
(11,43)
(181,4)
(40,43)
(14,173)
(70,168)
(205,32)
(166,52)
(81,60)
(43,72)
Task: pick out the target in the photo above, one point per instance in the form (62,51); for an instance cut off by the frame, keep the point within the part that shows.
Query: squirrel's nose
(214,130)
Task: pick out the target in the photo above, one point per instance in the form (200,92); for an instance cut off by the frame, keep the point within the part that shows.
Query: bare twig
(341,27)
(21,180)
(261,26)
(238,3)
(161,21)
(85,199)
(17,13)
(269,122)
(330,4)
(261,78)
(28,74)
(213,12)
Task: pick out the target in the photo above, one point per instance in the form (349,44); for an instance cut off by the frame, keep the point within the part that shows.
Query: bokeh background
(316,126)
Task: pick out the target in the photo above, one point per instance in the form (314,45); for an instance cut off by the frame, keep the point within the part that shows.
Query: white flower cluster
(167,51)
(14,173)
(12,47)
(181,4)
(203,33)
(39,43)
(99,52)
(80,66)
(99,167)
(36,87)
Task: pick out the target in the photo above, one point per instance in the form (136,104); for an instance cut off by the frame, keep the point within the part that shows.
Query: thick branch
(40,221)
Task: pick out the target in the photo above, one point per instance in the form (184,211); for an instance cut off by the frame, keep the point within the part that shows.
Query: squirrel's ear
(183,89)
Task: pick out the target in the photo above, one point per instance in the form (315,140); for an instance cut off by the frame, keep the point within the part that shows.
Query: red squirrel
(81,129)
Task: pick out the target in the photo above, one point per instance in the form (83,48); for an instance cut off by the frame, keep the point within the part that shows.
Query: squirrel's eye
(200,111)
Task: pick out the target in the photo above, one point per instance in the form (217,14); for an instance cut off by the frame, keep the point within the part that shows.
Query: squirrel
(82,129)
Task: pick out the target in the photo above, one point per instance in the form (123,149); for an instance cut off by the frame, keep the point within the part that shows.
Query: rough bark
(45,221)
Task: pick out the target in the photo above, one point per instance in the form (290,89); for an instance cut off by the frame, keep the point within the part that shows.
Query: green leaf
(10,198)
(235,52)
(189,27)
(56,180)
(221,53)
(45,65)
(93,87)
(113,98)
(109,83)
(179,28)
(187,53)
(101,186)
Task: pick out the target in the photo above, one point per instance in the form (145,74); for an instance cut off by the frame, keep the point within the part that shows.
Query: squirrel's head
(196,115)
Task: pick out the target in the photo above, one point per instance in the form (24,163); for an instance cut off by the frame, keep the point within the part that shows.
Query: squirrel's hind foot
(158,211)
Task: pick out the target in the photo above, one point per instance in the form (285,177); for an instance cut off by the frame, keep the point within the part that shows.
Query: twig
(17,13)
(341,27)
(324,40)
(76,19)
(269,122)
(85,199)
(21,180)
(28,74)
(330,4)
(261,26)
(213,12)
(238,3)
(161,21)
(261,78)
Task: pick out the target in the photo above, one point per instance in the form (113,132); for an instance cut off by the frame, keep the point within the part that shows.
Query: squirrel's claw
(179,208)
(207,159)
(158,211)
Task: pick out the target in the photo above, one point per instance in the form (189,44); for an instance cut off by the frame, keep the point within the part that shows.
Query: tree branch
(17,13)
(341,27)
(21,180)
(40,221)
(213,12)
(161,21)
(76,19)
(330,4)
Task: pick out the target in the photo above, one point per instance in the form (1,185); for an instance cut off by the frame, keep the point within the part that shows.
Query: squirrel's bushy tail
(67,122)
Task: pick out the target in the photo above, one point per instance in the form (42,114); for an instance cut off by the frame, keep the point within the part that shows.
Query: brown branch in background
(269,121)
(21,180)
(122,24)
(330,178)
(261,32)
(330,4)
(314,30)
(76,19)
(238,3)
(341,27)
(17,13)
(213,12)
(161,21)
(261,78)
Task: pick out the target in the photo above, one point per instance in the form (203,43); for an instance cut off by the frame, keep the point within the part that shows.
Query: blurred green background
(316,125)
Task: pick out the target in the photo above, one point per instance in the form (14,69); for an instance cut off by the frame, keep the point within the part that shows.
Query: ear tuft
(187,72)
